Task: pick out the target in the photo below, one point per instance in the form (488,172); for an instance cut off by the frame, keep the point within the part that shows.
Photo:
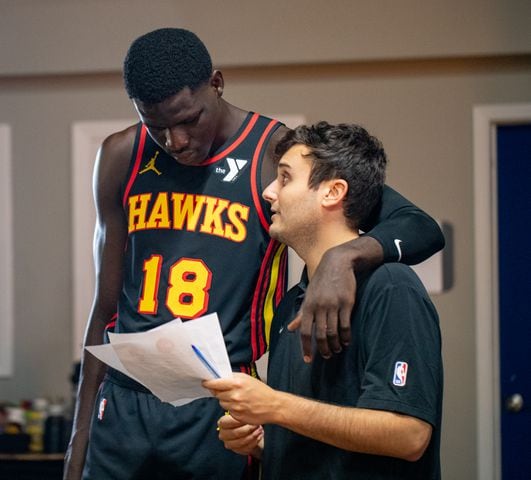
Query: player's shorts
(134,435)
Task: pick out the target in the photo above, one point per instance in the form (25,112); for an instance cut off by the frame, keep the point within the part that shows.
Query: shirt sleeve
(407,234)
(401,347)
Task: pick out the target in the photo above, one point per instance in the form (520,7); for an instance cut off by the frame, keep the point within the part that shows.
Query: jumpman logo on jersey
(151,165)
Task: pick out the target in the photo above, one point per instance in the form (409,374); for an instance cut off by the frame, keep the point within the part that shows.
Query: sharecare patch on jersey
(101,409)
(400,375)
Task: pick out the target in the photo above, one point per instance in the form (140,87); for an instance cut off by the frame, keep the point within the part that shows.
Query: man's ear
(217,82)
(334,192)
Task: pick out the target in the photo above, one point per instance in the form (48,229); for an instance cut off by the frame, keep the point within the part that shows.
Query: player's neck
(230,120)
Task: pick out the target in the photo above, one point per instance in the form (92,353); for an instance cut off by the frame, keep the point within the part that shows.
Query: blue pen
(205,362)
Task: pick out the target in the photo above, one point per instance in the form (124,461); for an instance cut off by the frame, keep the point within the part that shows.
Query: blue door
(514,223)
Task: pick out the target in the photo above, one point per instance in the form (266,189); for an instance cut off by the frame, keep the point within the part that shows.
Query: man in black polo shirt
(374,410)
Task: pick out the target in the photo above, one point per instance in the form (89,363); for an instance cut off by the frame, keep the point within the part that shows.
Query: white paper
(163,360)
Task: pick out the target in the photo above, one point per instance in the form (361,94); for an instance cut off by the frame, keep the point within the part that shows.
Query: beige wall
(410,71)
(92,35)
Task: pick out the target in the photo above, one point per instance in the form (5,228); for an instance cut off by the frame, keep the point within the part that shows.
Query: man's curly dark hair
(344,151)
(161,63)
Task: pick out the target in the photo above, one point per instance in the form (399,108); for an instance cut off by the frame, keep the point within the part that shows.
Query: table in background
(31,466)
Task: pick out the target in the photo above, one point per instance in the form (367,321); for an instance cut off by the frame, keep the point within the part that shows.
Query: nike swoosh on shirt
(397,245)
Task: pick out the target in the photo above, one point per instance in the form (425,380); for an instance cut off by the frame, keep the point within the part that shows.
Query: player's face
(294,205)
(185,125)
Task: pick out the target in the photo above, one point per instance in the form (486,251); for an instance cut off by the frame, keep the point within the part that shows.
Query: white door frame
(7,310)
(86,139)
(486,118)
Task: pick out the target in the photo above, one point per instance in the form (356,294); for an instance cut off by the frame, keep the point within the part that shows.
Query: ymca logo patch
(234,167)
(400,375)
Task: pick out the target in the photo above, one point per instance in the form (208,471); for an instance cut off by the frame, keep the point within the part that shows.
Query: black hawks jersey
(198,241)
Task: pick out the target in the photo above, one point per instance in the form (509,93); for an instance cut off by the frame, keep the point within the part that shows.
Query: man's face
(184,125)
(295,206)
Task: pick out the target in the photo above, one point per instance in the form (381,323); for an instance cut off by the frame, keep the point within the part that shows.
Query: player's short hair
(161,63)
(345,151)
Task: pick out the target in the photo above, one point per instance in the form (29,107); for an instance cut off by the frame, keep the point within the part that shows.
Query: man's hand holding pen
(248,399)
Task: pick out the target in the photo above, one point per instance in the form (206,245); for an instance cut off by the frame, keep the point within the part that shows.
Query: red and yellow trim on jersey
(249,369)
(271,284)
(136,166)
(254,175)
(269,290)
(234,144)
(112,322)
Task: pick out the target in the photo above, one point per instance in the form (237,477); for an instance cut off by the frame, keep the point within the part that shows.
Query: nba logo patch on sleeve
(400,375)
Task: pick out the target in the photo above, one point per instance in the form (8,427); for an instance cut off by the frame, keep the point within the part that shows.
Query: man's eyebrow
(282,164)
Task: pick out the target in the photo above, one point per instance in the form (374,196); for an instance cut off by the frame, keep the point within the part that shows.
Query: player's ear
(334,191)
(217,82)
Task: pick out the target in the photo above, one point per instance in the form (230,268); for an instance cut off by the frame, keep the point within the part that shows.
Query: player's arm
(405,233)
(109,244)
(359,430)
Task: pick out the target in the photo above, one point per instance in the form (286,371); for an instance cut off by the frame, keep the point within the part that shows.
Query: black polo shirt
(393,363)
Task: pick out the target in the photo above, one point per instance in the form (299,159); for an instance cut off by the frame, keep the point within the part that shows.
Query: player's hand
(327,306)
(240,437)
(330,296)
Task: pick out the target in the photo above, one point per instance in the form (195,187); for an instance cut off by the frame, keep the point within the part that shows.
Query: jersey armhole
(136,158)
(256,182)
